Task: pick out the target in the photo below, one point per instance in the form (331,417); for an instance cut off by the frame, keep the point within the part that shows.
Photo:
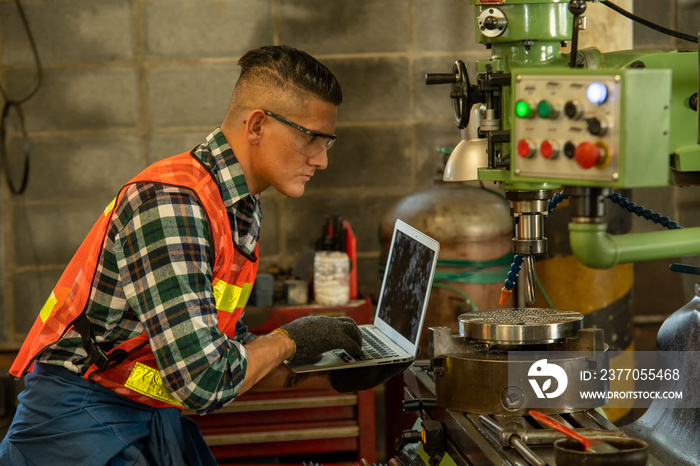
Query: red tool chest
(294,426)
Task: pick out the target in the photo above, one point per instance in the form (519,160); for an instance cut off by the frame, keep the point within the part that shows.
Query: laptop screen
(407,282)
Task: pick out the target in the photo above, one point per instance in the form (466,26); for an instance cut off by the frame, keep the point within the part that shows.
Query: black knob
(573,110)
(440,78)
(492,23)
(595,126)
(569,149)
(577,7)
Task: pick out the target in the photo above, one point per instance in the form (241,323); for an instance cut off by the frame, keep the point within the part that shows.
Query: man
(146,317)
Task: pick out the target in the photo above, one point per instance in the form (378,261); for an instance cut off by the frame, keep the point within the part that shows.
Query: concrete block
(79,98)
(190,95)
(72,167)
(429,138)
(360,26)
(445,26)
(688,19)
(165,144)
(374,89)
(305,217)
(659,13)
(205,28)
(51,234)
(31,290)
(606,30)
(68,31)
(363,154)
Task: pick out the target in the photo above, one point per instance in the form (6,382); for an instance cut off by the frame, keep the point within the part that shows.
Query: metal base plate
(520,326)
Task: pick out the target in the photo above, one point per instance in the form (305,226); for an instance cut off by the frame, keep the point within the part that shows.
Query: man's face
(291,155)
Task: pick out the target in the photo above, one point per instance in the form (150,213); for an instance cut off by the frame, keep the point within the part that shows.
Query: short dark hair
(287,66)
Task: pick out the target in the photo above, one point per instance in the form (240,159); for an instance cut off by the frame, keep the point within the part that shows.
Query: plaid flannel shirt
(155,275)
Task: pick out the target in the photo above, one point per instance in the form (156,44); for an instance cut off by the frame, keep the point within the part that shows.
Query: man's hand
(363,378)
(314,335)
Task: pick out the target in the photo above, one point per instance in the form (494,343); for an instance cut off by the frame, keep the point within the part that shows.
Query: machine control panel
(567,127)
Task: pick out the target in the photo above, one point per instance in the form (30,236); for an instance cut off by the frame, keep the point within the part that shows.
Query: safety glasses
(311,142)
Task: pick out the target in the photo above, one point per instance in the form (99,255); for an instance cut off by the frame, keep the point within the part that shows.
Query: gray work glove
(314,335)
(363,378)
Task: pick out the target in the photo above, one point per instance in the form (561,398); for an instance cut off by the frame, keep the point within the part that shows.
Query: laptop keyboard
(372,348)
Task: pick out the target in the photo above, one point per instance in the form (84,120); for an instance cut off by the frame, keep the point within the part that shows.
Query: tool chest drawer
(294,426)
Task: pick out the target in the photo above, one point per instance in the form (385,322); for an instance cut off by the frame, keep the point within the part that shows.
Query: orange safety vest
(137,376)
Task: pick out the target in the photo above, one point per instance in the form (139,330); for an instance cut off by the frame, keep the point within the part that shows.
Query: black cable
(4,149)
(649,24)
(16,105)
(39,72)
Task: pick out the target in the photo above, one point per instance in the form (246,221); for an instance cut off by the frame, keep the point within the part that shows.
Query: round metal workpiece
(520,326)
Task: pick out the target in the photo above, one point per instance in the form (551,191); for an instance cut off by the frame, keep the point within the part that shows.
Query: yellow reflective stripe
(48,307)
(229,297)
(109,208)
(147,381)
(245,294)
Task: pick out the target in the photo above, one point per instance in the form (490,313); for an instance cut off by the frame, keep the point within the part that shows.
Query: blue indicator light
(597,93)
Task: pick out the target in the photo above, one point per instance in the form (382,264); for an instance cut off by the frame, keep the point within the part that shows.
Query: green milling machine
(581,126)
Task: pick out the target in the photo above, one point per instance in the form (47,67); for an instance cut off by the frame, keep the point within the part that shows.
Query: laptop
(394,336)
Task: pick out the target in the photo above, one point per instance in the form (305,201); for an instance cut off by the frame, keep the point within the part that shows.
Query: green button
(545,110)
(522,109)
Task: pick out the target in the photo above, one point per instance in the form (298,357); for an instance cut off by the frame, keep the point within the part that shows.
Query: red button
(549,149)
(526,148)
(587,155)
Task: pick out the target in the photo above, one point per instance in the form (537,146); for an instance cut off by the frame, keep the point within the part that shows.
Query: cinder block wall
(127,82)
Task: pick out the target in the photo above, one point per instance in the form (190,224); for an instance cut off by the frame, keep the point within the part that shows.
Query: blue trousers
(63,419)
